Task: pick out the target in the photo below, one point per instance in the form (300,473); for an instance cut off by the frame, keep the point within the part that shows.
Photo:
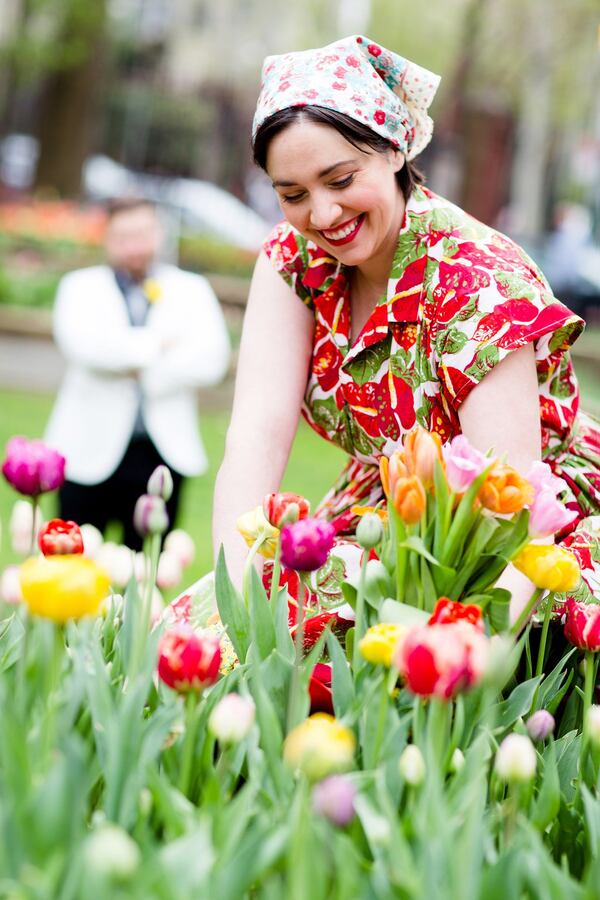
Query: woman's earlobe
(398,160)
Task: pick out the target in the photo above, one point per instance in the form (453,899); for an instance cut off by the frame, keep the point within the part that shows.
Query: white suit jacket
(95,411)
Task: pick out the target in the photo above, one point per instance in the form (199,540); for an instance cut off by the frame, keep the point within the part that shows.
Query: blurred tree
(58,48)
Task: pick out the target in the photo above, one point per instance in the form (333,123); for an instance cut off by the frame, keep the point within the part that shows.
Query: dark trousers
(115,498)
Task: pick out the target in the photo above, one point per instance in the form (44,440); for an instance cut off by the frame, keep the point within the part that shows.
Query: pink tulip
(547,514)
(32,467)
(306,543)
(333,798)
(463,463)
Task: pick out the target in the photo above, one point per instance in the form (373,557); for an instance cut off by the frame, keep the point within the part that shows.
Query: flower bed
(416,745)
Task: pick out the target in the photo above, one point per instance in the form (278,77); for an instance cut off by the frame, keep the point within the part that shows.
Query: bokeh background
(156,97)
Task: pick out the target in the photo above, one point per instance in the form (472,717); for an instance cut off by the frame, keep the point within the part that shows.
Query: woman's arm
(502,413)
(271,379)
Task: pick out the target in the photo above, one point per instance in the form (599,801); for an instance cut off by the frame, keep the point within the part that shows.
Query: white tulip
(170,570)
(232,718)
(111,852)
(92,540)
(412,765)
(10,585)
(182,545)
(21,522)
(516,759)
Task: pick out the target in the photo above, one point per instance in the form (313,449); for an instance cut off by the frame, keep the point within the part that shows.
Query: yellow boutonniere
(152,290)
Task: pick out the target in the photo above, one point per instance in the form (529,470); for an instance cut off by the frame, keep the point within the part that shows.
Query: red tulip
(188,660)
(319,688)
(278,506)
(447,611)
(582,625)
(442,660)
(32,467)
(58,538)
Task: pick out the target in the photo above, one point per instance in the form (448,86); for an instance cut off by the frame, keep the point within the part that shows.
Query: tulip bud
(10,585)
(411,766)
(333,798)
(92,540)
(160,483)
(593,725)
(117,561)
(182,545)
(284,508)
(232,718)
(150,515)
(516,759)
(369,531)
(112,853)
(457,761)
(540,725)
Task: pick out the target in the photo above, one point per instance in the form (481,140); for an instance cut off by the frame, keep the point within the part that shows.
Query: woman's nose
(324,213)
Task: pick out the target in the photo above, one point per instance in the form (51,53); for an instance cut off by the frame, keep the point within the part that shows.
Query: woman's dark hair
(355,133)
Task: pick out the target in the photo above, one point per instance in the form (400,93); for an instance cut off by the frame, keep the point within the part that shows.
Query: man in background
(139,338)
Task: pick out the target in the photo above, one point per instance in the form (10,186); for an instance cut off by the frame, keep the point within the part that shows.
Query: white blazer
(184,345)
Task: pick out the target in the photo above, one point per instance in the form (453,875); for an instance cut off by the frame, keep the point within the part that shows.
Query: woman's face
(344,199)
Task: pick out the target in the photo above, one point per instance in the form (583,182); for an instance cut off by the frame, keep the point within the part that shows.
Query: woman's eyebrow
(322,174)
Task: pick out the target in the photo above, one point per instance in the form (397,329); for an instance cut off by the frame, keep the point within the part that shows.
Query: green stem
(151,556)
(527,611)
(360,613)
(187,758)
(401,556)
(56,655)
(34,508)
(294,698)
(437,730)
(541,659)
(276,575)
(588,691)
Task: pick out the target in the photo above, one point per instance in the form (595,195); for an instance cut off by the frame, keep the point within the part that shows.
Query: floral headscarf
(359,78)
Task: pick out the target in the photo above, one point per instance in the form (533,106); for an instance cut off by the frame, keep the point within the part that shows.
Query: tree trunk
(69,106)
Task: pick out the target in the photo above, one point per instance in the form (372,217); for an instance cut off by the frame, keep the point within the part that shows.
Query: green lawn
(313,466)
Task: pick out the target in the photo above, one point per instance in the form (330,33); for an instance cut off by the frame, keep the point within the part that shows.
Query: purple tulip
(463,463)
(333,798)
(547,514)
(150,515)
(32,467)
(540,725)
(305,544)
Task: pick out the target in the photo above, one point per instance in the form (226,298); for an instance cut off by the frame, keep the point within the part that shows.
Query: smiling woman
(411,311)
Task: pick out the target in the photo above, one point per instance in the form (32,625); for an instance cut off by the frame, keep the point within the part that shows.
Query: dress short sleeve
(490,298)
(289,254)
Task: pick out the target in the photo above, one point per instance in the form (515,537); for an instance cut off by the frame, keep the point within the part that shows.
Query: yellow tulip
(63,587)
(549,567)
(255,524)
(319,746)
(380,641)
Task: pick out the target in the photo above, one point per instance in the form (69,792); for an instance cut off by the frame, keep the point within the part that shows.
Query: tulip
(111,853)
(21,526)
(540,725)
(58,538)
(333,798)
(582,625)
(380,642)
(549,567)
(305,544)
(319,689)
(63,587)
(160,483)
(170,571)
(369,531)
(182,545)
(441,660)
(422,451)
(188,660)
(504,491)
(92,539)
(409,499)
(411,766)
(284,508)
(32,467)
(516,759)
(547,514)
(10,585)
(447,611)
(457,760)
(391,470)
(319,746)
(463,463)
(117,561)
(593,725)
(150,515)
(254,525)
(232,718)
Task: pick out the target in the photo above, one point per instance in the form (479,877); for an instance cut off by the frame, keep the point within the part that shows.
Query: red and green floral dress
(460,297)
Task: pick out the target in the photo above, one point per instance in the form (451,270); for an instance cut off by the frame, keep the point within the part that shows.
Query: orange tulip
(392,469)
(422,449)
(505,491)
(409,499)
